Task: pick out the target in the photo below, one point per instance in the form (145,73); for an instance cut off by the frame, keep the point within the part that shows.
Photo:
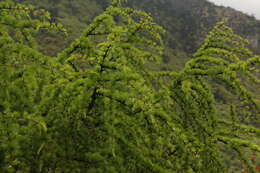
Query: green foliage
(96,107)
(23,72)
(219,60)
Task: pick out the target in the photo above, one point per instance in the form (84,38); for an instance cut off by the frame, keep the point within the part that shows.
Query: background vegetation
(187,23)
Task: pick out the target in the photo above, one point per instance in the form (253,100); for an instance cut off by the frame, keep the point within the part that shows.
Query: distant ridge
(187,22)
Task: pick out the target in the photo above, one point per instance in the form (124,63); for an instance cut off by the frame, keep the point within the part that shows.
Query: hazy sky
(248,6)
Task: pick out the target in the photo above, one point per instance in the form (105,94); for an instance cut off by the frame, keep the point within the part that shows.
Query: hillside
(187,22)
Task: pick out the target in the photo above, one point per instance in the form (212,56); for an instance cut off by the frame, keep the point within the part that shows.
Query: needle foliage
(97,108)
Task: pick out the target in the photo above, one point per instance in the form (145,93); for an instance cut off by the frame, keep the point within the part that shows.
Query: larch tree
(23,73)
(223,58)
(97,107)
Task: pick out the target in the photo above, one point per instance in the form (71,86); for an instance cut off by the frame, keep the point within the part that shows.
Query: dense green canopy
(98,107)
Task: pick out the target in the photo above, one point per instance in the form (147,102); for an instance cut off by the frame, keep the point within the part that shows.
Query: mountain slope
(187,22)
